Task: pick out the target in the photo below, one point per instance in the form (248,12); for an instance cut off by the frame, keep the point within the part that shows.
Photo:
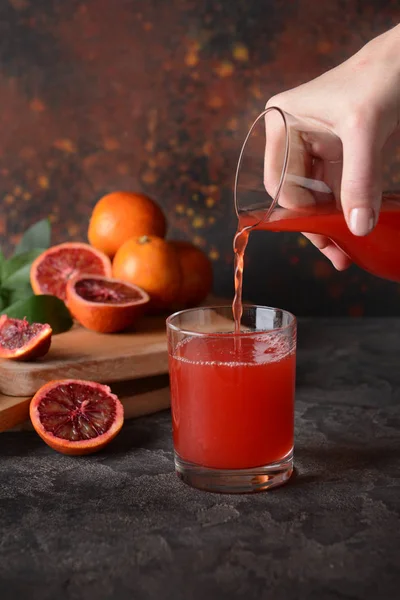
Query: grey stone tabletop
(120,525)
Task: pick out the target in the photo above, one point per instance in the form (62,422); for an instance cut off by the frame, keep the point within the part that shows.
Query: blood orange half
(104,304)
(51,271)
(76,417)
(20,340)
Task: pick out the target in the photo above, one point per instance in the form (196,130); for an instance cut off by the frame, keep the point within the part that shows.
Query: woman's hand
(359,102)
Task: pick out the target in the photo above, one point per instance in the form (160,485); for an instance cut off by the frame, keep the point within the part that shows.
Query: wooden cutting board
(83,354)
(139,397)
(133,363)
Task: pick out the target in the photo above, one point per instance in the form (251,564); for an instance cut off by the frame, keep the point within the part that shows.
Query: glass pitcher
(288,178)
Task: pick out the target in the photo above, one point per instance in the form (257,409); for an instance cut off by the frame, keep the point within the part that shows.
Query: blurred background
(157,96)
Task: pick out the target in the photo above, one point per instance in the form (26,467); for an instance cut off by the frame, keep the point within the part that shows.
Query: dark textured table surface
(121,525)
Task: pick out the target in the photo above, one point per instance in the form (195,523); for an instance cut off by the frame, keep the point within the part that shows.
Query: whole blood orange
(103,304)
(21,341)
(76,417)
(122,215)
(151,263)
(51,271)
(197,274)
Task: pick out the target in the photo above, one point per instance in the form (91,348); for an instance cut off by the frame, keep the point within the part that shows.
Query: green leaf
(16,263)
(37,236)
(42,309)
(4,298)
(16,294)
(19,279)
(2,261)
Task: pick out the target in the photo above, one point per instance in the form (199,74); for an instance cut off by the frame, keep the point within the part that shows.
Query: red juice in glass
(232,410)
(232,399)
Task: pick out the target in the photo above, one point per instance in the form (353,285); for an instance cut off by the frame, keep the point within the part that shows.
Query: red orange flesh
(20,340)
(76,417)
(104,304)
(51,271)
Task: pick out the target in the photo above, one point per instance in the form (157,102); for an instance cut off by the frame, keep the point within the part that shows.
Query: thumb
(361,187)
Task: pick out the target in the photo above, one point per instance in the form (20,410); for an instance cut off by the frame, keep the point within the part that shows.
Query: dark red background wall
(157,95)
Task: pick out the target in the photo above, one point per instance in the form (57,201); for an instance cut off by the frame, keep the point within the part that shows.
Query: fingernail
(362,220)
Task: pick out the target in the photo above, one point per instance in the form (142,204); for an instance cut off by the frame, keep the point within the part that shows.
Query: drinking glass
(232,397)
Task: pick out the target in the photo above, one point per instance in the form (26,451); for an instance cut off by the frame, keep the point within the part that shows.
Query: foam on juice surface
(254,350)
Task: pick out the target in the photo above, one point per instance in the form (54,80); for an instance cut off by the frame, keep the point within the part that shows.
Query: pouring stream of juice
(239,245)
(378,253)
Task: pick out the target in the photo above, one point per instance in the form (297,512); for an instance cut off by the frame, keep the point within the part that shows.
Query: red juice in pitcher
(378,253)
